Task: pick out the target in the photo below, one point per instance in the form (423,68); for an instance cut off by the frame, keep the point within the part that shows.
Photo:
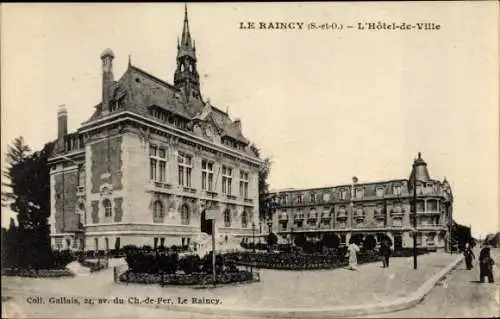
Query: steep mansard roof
(142,90)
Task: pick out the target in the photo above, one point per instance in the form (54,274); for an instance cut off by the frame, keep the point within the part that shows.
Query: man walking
(385,252)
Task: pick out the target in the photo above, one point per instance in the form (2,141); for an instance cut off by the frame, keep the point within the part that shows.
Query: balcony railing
(379,216)
(80,190)
(162,185)
(248,200)
(211,194)
(189,190)
(231,197)
(342,216)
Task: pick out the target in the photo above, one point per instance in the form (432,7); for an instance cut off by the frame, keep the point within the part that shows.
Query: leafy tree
(264,207)
(17,153)
(29,197)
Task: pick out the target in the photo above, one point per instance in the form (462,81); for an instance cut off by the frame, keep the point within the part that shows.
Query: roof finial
(419,155)
(185,11)
(129,60)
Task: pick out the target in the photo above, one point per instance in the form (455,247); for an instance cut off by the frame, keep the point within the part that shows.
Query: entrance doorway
(205,224)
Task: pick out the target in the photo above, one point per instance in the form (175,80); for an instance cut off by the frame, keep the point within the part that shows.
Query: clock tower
(186,76)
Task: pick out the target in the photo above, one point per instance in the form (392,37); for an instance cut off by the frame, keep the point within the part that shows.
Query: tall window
(227,179)
(244,184)
(244,219)
(157,164)
(313,198)
(207,175)
(227,218)
(185,215)
(185,167)
(108,212)
(157,211)
(81,176)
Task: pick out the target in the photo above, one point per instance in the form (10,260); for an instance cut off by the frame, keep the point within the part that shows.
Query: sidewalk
(288,290)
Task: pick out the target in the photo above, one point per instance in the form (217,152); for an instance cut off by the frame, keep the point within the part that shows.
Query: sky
(324,105)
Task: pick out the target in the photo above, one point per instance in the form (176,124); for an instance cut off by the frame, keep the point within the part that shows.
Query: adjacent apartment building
(150,163)
(369,212)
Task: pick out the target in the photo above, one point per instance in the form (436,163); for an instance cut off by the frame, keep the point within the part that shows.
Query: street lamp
(253,236)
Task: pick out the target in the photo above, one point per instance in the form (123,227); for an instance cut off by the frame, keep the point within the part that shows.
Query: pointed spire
(129,60)
(186,36)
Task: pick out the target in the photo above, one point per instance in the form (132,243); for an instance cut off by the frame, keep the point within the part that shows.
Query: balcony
(211,194)
(80,190)
(341,216)
(283,216)
(379,216)
(231,197)
(429,212)
(248,200)
(162,185)
(189,190)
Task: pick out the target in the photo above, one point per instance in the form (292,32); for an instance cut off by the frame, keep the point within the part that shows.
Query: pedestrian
(385,252)
(353,250)
(469,256)
(485,265)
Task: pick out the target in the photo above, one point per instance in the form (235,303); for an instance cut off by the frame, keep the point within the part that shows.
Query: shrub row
(294,261)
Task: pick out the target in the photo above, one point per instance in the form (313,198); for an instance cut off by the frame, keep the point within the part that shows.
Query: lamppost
(253,237)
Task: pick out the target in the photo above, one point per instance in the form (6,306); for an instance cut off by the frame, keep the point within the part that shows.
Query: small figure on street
(353,250)
(485,265)
(469,256)
(385,252)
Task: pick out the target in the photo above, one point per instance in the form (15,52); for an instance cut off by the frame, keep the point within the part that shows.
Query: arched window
(227,218)
(244,219)
(185,217)
(157,211)
(108,212)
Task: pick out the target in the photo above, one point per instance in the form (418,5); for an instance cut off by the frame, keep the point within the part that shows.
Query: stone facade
(379,209)
(151,165)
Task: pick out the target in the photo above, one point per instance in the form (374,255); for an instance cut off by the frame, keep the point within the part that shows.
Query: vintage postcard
(250,160)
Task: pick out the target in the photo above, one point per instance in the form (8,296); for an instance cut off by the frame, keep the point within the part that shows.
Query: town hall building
(151,164)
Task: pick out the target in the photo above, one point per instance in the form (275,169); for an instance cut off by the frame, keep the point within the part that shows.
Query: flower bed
(37,272)
(194,279)
(294,261)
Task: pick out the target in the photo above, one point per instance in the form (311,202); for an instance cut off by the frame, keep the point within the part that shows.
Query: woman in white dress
(353,250)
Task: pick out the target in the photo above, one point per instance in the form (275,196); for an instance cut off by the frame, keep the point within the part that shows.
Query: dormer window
(380,191)
(299,198)
(359,193)
(396,190)
(343,194)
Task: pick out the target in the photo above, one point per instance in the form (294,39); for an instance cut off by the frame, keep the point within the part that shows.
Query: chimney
(62,122)
(237,123)
(107,57)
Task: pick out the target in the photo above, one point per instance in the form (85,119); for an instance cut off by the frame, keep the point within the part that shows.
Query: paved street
(459,296)
(278,289)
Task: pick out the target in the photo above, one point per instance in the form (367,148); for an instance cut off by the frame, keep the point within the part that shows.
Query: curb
(339,311)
